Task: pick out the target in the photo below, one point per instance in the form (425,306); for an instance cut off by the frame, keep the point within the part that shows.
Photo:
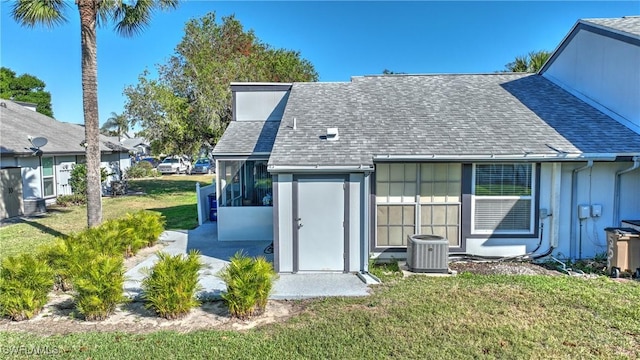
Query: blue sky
(341,39)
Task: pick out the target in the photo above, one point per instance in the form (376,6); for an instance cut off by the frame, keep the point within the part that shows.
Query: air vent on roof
(332,134)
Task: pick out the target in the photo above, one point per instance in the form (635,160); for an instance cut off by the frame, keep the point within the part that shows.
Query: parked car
(174,165)
(203,166)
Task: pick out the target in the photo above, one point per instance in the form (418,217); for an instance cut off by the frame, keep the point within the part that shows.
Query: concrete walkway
(216,254)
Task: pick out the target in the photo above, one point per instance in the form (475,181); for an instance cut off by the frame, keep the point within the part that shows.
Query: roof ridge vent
(332,134)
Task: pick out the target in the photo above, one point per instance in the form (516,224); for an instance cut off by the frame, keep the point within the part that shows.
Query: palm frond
(131,19)
(39,12)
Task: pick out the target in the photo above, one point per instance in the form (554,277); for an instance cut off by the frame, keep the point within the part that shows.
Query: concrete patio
(216,254)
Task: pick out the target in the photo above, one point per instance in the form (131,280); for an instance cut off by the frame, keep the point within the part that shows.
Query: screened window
(503,198)
(395,223)
(48,180)
(415,198)
(245,183)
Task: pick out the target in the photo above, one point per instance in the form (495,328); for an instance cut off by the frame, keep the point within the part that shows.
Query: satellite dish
(39,142)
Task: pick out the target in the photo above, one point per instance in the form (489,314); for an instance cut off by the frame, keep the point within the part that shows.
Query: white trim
(531,197)
(319,168)
(504,157)
(53,176)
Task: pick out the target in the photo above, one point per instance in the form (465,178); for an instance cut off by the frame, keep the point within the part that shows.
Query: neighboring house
(137,146)
(500,164)
(46,176)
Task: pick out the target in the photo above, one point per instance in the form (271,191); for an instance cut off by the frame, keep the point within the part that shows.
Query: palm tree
(537,59)
(530,63)
(130,17)
(118,122)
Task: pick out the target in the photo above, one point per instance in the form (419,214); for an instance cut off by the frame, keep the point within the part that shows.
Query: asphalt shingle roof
(499,114)
(18,122)
(247,137)
(627,24)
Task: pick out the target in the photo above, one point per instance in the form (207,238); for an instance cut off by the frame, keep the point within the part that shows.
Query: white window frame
(52,176)
(531,198)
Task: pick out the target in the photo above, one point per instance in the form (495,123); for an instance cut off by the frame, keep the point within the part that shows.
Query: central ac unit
(427,253)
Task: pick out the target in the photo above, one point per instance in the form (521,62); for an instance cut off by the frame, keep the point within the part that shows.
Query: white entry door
(320,224)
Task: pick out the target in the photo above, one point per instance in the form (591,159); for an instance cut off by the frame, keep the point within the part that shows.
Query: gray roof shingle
(247,137)
(17,123)
(627,24)
(499,114)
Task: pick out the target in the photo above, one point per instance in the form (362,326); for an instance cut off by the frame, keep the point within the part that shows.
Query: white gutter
(492,157)
(319,168)
(222,155)
(616,190)
(574,207)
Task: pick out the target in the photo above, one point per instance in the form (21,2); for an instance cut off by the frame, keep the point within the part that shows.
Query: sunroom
(245,201)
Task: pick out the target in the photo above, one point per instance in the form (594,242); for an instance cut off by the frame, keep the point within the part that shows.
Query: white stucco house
(30,179)
(499,164)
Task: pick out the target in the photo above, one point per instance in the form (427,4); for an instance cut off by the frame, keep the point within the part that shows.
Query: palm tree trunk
(88,11)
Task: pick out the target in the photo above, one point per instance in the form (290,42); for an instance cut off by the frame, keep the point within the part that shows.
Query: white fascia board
(489,157)
(319,168)
(220,156)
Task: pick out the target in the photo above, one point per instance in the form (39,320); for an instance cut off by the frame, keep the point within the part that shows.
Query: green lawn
(172,196)
(463,317)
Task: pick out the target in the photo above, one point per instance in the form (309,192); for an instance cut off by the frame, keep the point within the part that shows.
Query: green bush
(141,169)
(170,286)
(25,283)
(147,225)
(71,200)
(58,256)
(78,179)
(98,285)
(249,283)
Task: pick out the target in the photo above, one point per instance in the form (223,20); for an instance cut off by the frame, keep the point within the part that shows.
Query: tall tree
(116,125)
(129,17)
(189,105)
(26,88)
(530,63)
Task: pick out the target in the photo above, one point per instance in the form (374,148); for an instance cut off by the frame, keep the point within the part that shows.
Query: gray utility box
(427,254)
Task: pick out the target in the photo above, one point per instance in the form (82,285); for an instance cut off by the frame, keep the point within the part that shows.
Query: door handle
(300,224)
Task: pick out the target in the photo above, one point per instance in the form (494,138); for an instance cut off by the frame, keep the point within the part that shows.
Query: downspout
(616,189)
(574,205)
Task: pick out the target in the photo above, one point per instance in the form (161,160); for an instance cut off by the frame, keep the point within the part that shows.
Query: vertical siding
(356,208)
(285,226)
(601,70)
(260,105)
(31,177)
(630,196)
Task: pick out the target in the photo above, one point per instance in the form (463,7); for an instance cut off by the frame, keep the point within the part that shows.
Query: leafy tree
(130,17)
(530,63)
(26,88)
(189,105)
(116,125)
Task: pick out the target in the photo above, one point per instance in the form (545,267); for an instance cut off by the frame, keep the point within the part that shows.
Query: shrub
(170,286)
(78,179)
(141,169)
(71,200)
(147,225)
(58,257)
(98,286)
(249,283)
(25,283)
